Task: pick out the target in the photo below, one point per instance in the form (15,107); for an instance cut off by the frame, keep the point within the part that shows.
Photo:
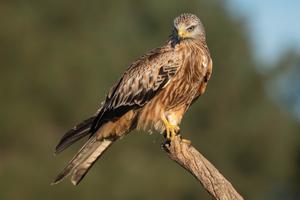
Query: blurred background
(58,59)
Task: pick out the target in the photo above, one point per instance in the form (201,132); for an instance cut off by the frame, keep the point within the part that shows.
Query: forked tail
(84,159)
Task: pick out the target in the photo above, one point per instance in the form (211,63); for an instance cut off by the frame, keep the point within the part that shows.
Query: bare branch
(194,162)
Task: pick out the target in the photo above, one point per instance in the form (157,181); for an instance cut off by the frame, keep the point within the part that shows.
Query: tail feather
(79,131)
(84,159)
(82,169)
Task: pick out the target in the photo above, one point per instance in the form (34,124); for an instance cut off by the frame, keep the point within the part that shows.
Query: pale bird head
(188,26)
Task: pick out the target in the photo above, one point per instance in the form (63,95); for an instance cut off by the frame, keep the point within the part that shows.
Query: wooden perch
(194,162)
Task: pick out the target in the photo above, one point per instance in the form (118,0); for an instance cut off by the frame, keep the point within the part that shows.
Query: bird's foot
(171,130)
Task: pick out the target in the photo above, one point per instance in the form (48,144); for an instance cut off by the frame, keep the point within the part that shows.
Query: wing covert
(143,80)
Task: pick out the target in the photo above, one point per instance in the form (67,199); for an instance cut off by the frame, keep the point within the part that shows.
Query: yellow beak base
(182,33)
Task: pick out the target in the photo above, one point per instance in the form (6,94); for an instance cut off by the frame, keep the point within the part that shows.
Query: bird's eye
(191,28)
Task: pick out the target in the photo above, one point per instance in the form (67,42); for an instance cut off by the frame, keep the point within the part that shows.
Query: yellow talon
(171,130)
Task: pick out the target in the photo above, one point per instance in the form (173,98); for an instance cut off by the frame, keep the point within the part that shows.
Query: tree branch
(194,162)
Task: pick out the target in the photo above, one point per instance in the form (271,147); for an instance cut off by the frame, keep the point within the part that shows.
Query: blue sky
(274,25)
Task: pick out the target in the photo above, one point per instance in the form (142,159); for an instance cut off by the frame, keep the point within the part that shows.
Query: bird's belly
(172,102)
(180,93)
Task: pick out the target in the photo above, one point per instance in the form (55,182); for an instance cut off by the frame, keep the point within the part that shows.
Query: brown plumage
(153,94)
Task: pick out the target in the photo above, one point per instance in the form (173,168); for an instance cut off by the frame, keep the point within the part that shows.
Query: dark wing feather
(139,84)
(74,134)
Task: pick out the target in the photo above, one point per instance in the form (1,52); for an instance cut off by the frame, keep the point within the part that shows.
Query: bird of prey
(153,94)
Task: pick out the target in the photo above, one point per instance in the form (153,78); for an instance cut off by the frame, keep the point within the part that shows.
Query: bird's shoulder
(154,59)
(149,72)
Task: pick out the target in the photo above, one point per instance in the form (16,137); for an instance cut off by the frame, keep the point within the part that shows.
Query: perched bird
(153,94)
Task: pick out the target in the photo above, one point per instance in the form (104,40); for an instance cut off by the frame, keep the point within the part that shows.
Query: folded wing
(144,79)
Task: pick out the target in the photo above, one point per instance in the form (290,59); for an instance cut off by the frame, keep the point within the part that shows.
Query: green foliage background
(58,59)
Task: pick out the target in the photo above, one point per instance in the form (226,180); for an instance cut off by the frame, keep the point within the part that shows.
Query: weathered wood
(194,162)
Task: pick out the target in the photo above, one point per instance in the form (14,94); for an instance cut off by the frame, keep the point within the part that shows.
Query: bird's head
(188,26)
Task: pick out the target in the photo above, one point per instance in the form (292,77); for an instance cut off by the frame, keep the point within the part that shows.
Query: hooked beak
(181,33)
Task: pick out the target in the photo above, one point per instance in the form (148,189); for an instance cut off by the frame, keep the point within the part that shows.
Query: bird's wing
(76,133)
(139,84)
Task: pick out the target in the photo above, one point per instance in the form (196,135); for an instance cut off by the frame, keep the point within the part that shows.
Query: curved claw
(171,130)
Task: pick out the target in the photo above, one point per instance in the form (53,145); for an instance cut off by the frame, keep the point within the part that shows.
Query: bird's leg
(171,130)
